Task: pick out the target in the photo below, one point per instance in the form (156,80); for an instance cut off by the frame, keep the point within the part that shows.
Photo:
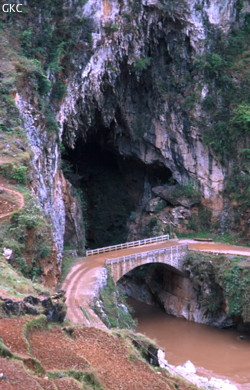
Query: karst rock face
(137,81)
(136,88)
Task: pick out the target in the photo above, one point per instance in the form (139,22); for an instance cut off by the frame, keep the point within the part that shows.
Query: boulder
(155,205)
(53,307)
(177,195)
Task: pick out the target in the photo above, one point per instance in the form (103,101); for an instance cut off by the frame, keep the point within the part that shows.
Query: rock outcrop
(52,307)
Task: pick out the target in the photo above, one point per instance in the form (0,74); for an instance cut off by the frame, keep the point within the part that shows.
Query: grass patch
(138,344)
(224,238)
(39,322)
(67,263)
(87,378)
(14,284)
(4,351)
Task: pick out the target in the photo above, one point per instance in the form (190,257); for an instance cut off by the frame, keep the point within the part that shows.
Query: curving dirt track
(7,207)
(10,200)
(217,247)
(82,280)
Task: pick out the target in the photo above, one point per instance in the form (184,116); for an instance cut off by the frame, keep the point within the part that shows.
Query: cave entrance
(111,185)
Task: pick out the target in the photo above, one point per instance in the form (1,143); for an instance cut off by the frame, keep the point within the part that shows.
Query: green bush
(27,41)
(236,283)
(28,225)
(133,215)
(214,64)
(44,250)
(58,91)
(111,28)
(203,275)
(51,123)
(241,120)
(188,190)
(44,84)
(19,173)
(13,244)
(22,265)
(202,221)
(238,189)
(142,63)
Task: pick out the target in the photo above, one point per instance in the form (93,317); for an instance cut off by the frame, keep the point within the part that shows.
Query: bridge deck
(82,280)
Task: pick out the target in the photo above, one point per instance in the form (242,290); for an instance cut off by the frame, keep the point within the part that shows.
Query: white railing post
(127,245)
(172,255)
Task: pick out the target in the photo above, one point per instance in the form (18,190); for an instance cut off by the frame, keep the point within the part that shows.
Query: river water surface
(215,352)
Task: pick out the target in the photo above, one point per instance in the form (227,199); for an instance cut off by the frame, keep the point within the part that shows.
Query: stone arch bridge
(119,266)
(173,256)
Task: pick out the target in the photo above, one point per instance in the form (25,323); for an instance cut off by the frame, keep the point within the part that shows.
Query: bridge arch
(173,256)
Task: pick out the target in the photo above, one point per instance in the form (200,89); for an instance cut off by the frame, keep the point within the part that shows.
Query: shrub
(111,28)
(236,283)
(241,119)
(27,41)
(133,215)
(58,91)
(44,250)
(29,234)
(142,63)
(201,221)
(51,123)
(214,64)
(44,84)
(20,174)
(189,191)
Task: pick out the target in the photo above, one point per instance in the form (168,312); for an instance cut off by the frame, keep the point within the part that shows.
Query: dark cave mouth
(112,185)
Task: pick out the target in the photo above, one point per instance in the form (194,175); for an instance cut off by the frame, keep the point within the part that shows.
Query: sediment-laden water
(215,352)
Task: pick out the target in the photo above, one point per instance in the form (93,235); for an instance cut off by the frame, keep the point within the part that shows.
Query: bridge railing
(175,252)
(127,245)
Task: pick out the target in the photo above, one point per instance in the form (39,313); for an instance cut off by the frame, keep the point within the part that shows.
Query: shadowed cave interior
(112,186)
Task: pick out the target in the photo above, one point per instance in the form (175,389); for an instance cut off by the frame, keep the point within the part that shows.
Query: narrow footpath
(10,199)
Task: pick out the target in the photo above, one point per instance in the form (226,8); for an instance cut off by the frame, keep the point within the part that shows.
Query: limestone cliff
(132,90)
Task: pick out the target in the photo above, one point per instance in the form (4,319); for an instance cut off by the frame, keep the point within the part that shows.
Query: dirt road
(10,199)
(82,281)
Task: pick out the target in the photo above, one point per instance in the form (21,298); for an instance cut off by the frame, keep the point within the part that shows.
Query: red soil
(88,350)
(12,334)
(14,202)
(17,377)
(50,347)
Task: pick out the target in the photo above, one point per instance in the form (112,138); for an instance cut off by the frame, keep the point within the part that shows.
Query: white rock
(189,367)
(161,358)
(7,252)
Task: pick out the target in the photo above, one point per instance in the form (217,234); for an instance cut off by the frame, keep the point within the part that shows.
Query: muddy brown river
(215,352)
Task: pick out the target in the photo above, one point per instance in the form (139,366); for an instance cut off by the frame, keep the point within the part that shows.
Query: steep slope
(143,94)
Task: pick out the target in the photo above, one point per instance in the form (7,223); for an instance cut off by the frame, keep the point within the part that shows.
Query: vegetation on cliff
(222,285)
(112,308)
(226,68)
